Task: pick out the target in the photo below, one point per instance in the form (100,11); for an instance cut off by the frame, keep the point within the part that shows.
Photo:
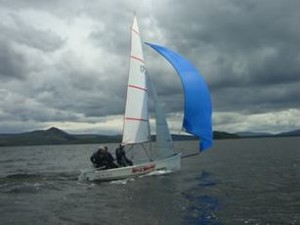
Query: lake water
(247,181)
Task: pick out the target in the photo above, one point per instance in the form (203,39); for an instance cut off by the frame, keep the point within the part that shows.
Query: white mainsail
(136,120)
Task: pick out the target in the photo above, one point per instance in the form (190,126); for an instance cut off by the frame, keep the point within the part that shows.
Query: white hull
(171,163)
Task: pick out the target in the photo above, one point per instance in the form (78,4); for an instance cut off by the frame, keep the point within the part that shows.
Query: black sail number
(142,68)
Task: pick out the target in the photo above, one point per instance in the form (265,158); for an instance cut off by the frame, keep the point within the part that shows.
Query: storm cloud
(65,64)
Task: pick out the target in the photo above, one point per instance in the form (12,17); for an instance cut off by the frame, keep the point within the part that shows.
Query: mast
(136,120)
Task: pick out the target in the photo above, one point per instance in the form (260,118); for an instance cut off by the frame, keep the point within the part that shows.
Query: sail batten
(137,87)
(137,58)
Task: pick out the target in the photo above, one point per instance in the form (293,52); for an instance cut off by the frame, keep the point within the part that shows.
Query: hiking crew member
(103,159)
(122,160)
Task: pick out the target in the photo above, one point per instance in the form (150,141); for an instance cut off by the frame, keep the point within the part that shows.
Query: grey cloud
(25,34)
(109,39)
(18,107)
(12,63)
(82,92)
(257,99)
(13,58)
(63,8)
(245,50)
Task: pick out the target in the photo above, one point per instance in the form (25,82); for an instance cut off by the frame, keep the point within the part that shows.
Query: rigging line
(128,151)
(187,155)
(147,153)
(190,155)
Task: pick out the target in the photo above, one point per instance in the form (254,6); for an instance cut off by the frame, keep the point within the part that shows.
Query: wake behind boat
(136,128)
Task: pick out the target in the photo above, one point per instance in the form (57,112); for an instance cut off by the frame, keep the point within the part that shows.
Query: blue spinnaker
(197,104)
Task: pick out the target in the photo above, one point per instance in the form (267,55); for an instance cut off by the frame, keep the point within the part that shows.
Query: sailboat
(160,156)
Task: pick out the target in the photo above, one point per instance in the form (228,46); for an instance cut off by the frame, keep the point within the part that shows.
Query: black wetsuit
(105,160)
(121,157)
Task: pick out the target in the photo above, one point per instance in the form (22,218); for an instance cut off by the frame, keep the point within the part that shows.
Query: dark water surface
(247,181)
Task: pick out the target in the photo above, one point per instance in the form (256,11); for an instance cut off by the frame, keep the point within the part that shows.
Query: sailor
(121,157)
(102,159)
(109,158)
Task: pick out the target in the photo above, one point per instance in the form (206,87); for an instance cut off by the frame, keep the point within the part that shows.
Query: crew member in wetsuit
(103,159)
(121,157)
(109,158)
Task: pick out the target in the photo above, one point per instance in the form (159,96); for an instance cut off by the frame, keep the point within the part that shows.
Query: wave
(24,187)
(153,173)
(124,181)
(42,176)
(157,173)
(18,176)
(35,182)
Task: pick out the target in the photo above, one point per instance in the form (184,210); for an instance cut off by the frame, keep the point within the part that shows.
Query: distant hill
(180,137)
(260,134)
(289,134)
(38,137)
(54,136)
(95,138)
(224,135)
(253,134)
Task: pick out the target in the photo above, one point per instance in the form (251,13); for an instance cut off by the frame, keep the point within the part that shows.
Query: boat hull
(171,163)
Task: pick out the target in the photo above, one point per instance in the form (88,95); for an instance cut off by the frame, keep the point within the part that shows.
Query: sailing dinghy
(136,130)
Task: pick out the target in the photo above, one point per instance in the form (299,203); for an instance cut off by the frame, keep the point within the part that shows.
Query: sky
(65,63)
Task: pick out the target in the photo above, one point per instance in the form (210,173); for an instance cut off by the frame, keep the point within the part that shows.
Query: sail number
(143,169)
(142,69)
